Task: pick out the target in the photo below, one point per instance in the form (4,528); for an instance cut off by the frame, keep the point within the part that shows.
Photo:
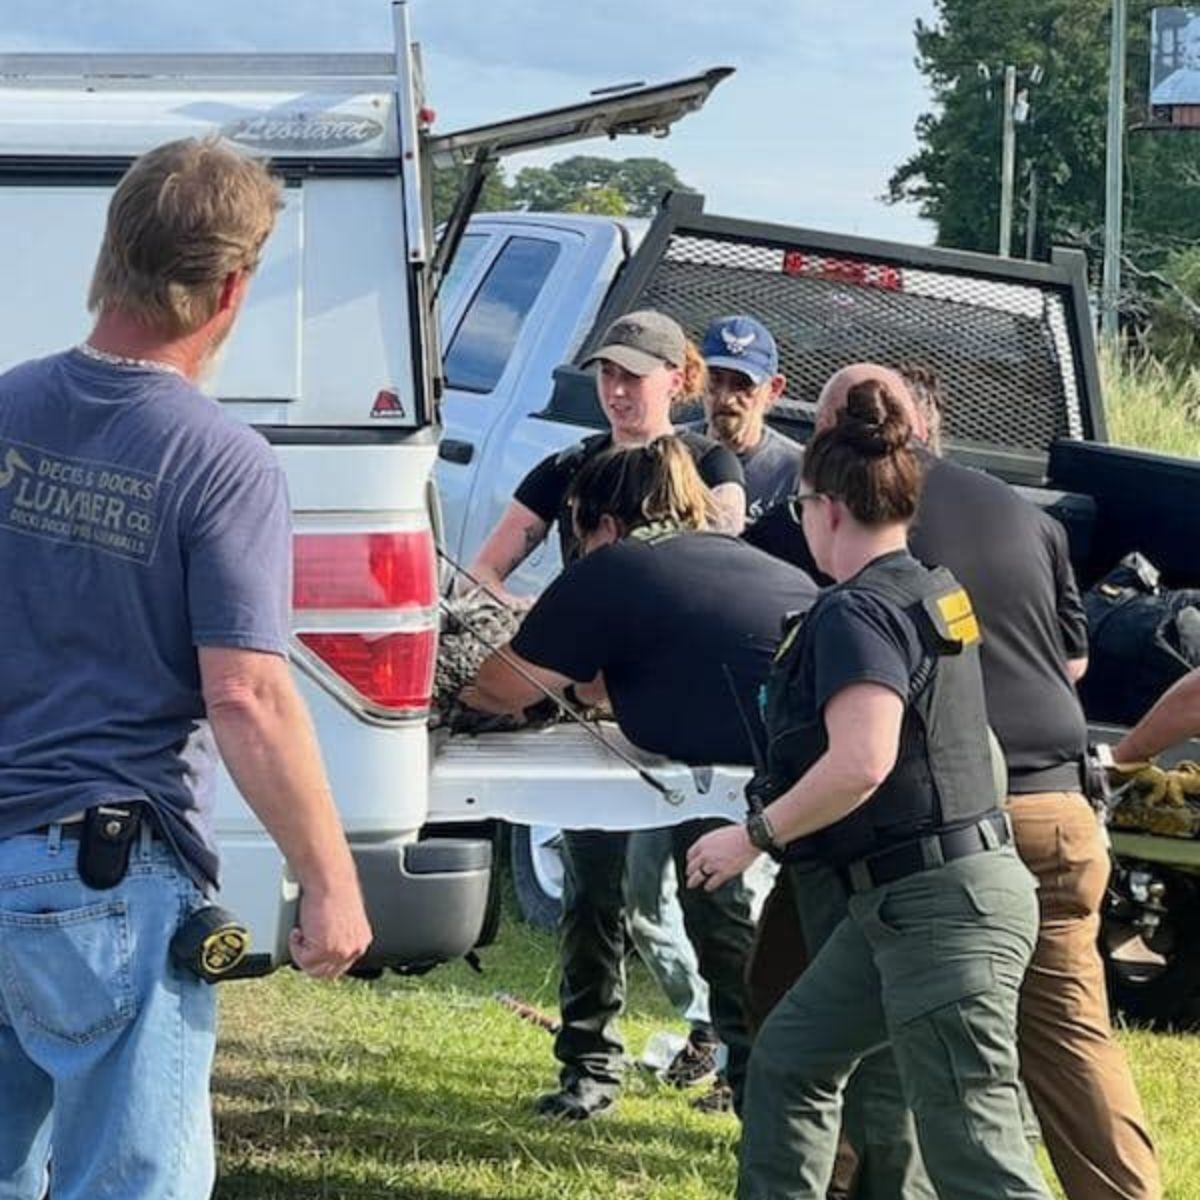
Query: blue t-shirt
(138,521)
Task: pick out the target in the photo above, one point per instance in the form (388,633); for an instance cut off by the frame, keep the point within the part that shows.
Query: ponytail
(642,485)
(695,376)
(864,458)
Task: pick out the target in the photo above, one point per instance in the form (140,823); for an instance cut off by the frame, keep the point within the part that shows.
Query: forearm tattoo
(531,538)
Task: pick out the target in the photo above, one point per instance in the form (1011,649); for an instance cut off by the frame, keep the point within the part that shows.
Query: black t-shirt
(853,636)
(860,638)
(662,620)
(1012,558)
(544,490)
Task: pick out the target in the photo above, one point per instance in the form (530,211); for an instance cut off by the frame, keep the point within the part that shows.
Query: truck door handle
(452,450)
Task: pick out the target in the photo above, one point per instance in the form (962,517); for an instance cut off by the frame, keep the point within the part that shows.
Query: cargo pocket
(915,989)
(68,974)
(960,1061)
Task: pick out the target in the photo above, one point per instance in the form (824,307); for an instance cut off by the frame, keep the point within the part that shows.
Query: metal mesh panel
(1001,348)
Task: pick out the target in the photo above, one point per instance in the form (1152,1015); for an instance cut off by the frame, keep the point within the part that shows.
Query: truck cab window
(492,324)
(460,269)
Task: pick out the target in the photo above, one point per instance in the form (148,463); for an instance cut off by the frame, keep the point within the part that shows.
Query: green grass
(1151,405)
(421,1088)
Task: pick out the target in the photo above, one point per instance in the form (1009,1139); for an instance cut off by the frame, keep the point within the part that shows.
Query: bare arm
(863,723)
(1077,668)
(729,501)
(1174,718)
(497,688)
(266,739)
(514,538)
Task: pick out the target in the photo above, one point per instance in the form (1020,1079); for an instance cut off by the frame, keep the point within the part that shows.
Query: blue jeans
(656,923)
(105,1046)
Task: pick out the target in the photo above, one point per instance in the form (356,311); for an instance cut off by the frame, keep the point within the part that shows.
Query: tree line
(954,176)
(627,187)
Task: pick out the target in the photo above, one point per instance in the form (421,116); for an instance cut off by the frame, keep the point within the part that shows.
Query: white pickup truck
(336,363)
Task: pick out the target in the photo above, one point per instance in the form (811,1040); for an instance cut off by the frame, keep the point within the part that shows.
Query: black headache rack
(1011,340)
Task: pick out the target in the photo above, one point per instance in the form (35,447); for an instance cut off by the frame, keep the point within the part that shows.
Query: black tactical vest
(943,773)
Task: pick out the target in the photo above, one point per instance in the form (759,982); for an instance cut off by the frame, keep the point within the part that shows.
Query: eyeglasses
(795,504)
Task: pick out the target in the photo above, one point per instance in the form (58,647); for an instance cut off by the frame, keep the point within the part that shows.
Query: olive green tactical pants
(875,1118)
(931,964)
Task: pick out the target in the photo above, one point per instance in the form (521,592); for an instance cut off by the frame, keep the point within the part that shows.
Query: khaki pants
(1074,1070)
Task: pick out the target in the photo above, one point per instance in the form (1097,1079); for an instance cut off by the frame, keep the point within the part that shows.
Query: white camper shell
(335,361)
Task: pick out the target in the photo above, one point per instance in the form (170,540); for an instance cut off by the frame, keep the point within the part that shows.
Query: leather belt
(925,854)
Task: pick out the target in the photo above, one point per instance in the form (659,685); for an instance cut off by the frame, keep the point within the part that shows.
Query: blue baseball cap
(740,343)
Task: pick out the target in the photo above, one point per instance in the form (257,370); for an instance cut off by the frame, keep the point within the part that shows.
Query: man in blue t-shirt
(144,549)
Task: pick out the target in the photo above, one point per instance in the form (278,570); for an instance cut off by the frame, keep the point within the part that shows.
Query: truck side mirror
(574,400)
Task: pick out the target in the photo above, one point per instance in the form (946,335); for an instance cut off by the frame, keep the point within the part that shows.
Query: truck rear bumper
(426,901)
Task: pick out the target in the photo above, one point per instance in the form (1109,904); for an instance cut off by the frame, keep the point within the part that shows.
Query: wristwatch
(761,833)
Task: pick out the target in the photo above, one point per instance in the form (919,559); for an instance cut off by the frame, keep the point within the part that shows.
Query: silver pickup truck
(1012,341)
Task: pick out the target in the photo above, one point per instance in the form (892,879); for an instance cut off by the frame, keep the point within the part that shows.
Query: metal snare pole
(671,795)
(754,800)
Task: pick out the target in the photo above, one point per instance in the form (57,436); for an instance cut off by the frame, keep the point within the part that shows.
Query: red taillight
(363,570)
(393,671)
(364,609)
(843,270)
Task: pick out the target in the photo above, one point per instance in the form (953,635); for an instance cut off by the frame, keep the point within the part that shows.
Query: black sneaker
(577,1101)
(718,1099)
(695,1062)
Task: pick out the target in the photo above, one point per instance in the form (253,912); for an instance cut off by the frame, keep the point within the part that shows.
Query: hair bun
(873,422)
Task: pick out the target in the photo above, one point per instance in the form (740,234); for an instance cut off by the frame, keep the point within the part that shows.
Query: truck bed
(560,775)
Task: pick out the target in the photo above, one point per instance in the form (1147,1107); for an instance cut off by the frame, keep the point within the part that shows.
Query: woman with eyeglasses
(880,767)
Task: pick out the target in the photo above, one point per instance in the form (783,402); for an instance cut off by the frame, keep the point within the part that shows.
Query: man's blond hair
(184,216)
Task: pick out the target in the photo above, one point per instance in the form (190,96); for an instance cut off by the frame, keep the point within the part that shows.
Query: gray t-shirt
(772,470)
(138,521)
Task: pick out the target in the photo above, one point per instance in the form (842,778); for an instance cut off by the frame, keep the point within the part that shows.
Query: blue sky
(820,111)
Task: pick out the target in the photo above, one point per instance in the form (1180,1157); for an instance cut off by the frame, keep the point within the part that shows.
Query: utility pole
(1008,156)
(1031,208)
(1110,291)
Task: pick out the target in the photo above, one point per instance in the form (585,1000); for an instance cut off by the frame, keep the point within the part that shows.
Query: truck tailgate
(561,776)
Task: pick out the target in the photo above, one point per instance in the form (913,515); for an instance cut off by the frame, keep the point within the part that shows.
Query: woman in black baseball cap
(645,363)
